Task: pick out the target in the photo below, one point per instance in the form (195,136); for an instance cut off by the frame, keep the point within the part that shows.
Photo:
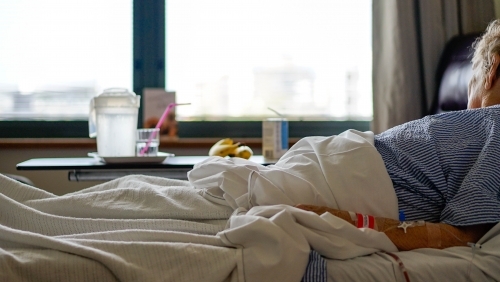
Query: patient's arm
(427,235)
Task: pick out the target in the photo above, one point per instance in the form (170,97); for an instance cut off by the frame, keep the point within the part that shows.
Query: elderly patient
(444,168)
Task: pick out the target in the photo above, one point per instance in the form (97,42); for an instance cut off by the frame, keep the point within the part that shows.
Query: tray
(132,160)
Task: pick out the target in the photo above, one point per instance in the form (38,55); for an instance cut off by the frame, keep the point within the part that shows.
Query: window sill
(165,142)
(76,131)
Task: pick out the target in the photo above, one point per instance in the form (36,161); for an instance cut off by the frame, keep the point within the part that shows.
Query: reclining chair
(453,74)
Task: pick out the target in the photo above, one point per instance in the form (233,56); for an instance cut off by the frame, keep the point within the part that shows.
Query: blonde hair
(485,47)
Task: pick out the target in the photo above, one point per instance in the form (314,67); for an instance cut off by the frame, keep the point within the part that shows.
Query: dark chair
(453,74)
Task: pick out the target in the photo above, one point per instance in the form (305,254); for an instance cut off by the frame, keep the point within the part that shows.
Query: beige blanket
(132,229)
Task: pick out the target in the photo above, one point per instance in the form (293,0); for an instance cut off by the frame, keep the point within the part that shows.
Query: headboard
(453,74)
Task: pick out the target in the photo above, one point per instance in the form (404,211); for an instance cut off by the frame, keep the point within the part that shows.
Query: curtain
(408,38)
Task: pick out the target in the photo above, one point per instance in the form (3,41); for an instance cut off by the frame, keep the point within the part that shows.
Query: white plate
(132,160)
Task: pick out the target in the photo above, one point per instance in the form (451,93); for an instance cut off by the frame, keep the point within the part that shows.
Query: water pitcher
(113,121)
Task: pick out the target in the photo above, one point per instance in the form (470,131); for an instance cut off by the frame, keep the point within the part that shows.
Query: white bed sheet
(135,228)
(457,264)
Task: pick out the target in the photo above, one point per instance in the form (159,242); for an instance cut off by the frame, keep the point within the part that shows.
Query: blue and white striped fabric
(316,268)
(446,167)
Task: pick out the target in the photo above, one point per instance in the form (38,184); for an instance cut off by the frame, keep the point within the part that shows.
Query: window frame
(149,72)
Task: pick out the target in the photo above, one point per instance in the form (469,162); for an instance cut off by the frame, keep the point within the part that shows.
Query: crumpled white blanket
(344,172)
(276,240)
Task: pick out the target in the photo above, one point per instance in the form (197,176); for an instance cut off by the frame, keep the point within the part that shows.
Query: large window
(232,60)
(308,60)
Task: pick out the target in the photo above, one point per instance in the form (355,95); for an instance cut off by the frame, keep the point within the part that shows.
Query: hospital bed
(128,234)
(141,228)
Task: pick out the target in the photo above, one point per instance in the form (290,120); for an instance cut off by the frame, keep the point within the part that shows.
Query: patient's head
(484,87)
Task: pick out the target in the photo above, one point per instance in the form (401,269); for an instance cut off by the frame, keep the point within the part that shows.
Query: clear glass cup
(145,135)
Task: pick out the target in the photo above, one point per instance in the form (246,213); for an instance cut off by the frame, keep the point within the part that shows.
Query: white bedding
(457,264)
(232,222)
(131,229)
(343,171)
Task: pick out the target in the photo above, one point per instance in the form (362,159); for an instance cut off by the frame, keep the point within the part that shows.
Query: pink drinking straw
(158,125)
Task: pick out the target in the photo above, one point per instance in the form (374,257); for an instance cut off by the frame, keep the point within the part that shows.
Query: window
(308,60)
(233,60)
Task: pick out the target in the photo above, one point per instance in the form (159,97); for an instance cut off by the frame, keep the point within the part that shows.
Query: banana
(224,147)
(243,152)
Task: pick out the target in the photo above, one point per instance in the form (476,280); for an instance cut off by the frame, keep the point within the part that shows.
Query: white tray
(132,160)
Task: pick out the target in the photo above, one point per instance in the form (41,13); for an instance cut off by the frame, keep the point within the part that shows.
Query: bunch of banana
(227,147)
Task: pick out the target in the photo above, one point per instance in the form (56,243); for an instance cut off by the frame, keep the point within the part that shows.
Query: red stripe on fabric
(371,222)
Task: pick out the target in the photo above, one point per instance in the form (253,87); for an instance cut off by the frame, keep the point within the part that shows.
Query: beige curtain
(408,38)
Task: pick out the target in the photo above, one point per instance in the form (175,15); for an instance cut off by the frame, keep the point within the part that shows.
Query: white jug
(113,120)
